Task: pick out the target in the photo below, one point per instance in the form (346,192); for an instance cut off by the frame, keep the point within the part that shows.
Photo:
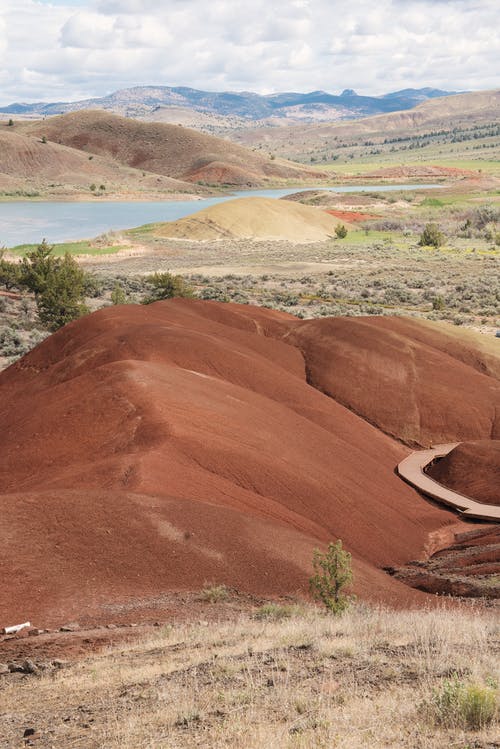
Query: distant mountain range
(146,101)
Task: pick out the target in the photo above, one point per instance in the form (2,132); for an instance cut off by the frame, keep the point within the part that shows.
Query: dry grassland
(282,677)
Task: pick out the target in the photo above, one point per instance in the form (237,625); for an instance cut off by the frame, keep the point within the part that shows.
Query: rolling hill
(253,218)
(168,150)
(28,164)
(153,448)
(415,380)
(457,114)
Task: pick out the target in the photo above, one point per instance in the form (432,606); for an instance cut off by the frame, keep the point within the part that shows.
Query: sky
(65,50)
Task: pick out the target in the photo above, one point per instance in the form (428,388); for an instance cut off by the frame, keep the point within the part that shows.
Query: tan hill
(459,111)
(205,122)
(480,106)
(472,468)
(26,162)
(153,448)
(170,150)
(254,218)
(25,159)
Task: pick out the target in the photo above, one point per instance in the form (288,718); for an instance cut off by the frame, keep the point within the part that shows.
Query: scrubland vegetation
(384,266)
(432,254)
(464,146)
(280,676)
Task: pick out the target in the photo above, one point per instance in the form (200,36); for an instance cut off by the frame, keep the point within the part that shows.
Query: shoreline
(214,191)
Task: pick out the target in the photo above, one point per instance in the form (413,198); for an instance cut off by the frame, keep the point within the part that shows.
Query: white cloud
(82,48)
(90,30)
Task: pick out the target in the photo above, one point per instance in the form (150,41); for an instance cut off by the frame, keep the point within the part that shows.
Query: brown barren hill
(165,149)
(29,162)
(153,448)
(423,383)
(255,218)
(472,468)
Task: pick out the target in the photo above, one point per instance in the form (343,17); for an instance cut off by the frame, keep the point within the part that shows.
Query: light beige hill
(481,106)
(27,161)
(254,218)
(449,111)
(165,149)
(205,122)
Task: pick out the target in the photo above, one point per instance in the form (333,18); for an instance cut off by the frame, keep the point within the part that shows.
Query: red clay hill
(169,150)
(154,448)
(422,383)
(472,468)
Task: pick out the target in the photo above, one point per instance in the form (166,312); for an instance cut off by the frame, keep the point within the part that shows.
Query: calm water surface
(24,222)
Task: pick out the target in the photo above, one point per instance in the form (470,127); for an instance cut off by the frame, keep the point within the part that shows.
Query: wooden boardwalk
(411,469)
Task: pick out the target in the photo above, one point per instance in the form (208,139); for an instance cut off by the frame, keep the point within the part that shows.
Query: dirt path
(411,469)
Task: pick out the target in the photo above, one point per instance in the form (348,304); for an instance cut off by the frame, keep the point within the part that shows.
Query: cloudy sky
(62,50)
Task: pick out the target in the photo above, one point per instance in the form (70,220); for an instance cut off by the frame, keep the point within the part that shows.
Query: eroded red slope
(420,383)
(153,448)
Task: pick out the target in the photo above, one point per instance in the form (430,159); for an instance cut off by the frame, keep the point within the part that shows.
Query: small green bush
(438,303)
(214,294)
(118,295)
(333,573)
(214,593)
(458,704)
(274,612)
(432,202)
(11,343)
(10,273)
(341,231)
(166,286)
(431,236)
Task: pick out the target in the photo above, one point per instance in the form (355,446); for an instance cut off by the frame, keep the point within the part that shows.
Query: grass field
(82,247)
(364,165)
(282,677)
(476,149)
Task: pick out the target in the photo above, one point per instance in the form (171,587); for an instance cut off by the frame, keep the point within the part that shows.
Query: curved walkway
(411,469)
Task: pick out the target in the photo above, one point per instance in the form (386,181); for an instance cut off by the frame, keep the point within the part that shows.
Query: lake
(25,222)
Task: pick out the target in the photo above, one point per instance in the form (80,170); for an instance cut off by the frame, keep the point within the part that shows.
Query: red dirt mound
(420,383)
(148,449)
(472,468)
(351,216)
